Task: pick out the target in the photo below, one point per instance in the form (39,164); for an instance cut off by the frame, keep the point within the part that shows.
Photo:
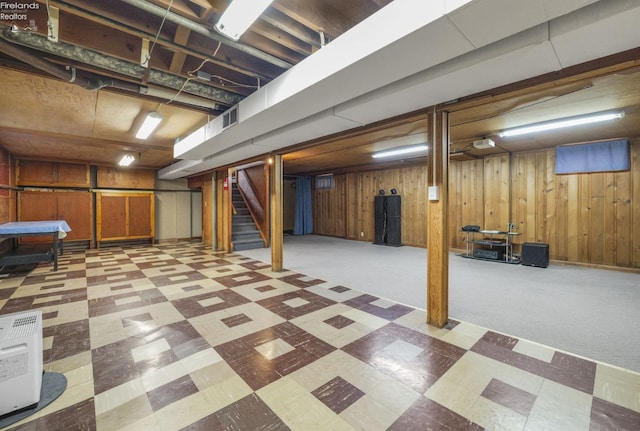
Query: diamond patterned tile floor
(178,337)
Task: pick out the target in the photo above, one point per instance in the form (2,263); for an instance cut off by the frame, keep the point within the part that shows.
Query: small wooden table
(17,229)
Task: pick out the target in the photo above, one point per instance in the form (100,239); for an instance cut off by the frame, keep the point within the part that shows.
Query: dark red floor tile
(364,303)
(249,413)
(278,304)
(171,392)
(338,394)
(509,396)
(242,278)
(190,307)
(606,416)
(427,415)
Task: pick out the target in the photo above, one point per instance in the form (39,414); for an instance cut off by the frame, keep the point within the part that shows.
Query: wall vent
(230,117)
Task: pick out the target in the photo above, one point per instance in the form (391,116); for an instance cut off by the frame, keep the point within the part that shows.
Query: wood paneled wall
(466,198)
(347,209)
(334,204)
(591,218)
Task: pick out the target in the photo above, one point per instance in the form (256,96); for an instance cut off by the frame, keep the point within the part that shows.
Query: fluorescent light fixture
(239,15)
(126,160)
(400,151)
(565,122)
(149,125)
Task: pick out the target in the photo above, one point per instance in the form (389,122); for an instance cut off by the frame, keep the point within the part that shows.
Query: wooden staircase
(244,233)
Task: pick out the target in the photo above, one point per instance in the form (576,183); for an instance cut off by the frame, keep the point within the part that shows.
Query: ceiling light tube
(149,125)
(126,160)
(400,151)
(239,15)
(565,122)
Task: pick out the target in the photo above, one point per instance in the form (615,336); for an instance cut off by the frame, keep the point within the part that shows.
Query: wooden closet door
(112,217)
(140,216)
(75,208)
(37,206)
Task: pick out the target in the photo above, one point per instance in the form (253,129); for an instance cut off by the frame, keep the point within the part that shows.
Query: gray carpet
(589,312)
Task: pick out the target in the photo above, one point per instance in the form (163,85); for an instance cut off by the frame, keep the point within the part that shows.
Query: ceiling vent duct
(483,144)
(230,117)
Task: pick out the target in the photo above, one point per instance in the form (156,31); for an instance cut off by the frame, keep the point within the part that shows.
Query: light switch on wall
(434,193)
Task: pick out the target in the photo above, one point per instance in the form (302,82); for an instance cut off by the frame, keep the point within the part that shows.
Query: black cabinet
(388,229)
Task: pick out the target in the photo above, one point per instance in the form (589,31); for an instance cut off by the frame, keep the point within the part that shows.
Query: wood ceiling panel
(118,117)
(102,41)
(80,150)
(354,152)
(35,103)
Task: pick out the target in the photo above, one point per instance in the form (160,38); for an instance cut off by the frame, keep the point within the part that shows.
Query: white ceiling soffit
(179,169)
(309,87)
(521,56)
(563,42)
(380,56)
(596,31)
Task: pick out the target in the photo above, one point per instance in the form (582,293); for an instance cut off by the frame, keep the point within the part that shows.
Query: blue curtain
(594,157)
(303,223)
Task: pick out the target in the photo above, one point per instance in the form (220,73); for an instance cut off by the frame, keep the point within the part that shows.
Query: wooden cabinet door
(125,179)
(140,216)
(34,173)
(112,220)
(124,216)
(37,206)
(75,209)
(72,175)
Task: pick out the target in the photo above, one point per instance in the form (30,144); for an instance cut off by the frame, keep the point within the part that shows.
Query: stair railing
(251,199)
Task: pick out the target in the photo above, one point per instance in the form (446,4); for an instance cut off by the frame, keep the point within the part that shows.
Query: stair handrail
(251,199)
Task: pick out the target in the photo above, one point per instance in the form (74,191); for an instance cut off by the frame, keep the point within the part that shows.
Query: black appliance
(388,229)
(485,253)
(535,254)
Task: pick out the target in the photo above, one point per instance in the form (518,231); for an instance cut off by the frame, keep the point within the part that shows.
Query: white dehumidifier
(20,360)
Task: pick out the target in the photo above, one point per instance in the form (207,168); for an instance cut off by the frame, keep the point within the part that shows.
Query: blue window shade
(596,157)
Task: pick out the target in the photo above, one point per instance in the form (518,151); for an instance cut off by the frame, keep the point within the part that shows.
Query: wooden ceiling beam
(182,7)
(95,12)
(331,23)
(203,3)
(262,40)
(181,38)
(282,22)
(281,38)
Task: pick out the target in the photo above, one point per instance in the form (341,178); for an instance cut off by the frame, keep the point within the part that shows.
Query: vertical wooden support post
(276,214)
(437,212)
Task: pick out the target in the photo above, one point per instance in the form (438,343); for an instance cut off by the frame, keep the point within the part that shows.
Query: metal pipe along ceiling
(91,81)
(115,65)
(82,79)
